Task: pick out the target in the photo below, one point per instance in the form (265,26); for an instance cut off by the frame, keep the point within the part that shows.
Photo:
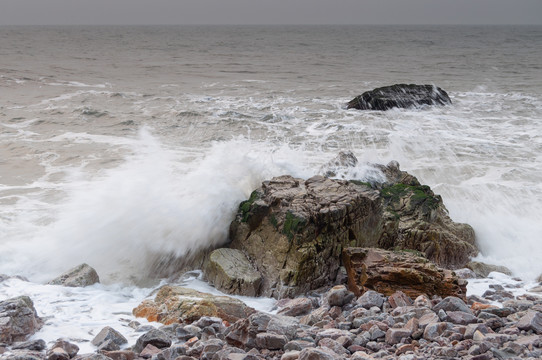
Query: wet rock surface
(18,319)
(400,96)
(304,225)
(80,276)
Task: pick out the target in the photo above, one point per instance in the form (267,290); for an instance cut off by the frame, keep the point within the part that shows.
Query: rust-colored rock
(389,271)
(175,304)
(476,306)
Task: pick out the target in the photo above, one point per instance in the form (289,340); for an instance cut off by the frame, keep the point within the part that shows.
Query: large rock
(18,319)
(483,270)
(80,276)
(304,225)
(531,321)
(230,271)
(400,96)
(175,304)
(109,336)
(389,271)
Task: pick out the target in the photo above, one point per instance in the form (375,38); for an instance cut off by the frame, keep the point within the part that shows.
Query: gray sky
(53,12)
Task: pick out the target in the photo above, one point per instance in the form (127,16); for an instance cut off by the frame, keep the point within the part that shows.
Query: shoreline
(126,323)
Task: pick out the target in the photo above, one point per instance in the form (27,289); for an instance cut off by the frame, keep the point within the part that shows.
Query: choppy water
(123,144)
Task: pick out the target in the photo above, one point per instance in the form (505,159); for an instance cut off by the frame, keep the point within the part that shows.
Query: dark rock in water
(303,225)
(400,96)
(80,276)
(18,319)
(390,271)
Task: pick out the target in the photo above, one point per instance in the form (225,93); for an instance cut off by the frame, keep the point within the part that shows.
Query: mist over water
(123,144)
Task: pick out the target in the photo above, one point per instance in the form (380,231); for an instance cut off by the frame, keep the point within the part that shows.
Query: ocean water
(120,146)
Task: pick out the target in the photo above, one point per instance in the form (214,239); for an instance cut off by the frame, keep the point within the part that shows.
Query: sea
(124,145)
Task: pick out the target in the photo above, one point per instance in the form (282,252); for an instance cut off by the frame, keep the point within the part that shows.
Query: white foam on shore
(516,286)
(78,314)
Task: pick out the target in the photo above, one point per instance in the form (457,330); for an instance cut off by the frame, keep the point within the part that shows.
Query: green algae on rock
(293,231)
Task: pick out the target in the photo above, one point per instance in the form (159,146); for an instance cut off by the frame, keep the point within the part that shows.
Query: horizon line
(281,24)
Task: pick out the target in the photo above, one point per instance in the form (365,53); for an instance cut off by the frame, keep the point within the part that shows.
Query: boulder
(108,334)
(339,296)
(482,269)
(400,96)
(155,337)
(4,277)
(336,166)
(305,224)
(399,299)
(176,304)
(57,353)
(301,224)
(36,345)
(18,319)
(229,270)
(80,276)
(371,298)
(415,218)
(64,347)
(319,353)
(295,307)
(452,303)
(244,332)
(432,331)
(532,320)
(389,271)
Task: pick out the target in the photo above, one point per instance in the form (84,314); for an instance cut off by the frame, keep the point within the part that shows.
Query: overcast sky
(97,12)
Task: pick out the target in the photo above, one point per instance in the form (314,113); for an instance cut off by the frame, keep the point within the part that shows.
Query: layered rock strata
(293,231)
(388,272)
